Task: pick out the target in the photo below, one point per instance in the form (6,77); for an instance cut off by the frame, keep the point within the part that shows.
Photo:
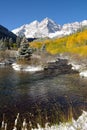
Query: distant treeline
(10,43)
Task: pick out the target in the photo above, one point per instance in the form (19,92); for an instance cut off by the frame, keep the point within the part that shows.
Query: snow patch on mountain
(48,28)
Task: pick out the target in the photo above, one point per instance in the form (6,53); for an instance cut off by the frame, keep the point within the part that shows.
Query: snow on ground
(79,124)
(83,73)
(18,67)
(75,66)
(2,63)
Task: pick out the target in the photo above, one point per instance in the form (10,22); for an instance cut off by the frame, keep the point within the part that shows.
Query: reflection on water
(41,98)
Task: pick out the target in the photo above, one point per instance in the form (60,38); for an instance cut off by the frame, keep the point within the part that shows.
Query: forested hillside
(5,33)
(75,43)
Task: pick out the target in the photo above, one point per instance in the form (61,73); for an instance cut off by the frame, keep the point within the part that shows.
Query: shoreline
(76,66)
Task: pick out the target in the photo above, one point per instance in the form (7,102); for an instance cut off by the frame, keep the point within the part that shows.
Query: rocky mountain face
(4,33)
(48,28)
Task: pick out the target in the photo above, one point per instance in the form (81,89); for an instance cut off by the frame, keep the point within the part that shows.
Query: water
(40,98)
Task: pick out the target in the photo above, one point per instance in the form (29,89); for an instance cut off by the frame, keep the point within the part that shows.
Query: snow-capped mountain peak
(47,21)
(48,28)
(34,23)
(38,29)
(50,25)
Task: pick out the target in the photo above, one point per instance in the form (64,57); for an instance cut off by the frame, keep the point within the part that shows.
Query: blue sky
(14,13)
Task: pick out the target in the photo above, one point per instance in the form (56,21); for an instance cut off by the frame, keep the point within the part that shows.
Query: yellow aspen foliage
(36,44)
(75,43)
(71,42)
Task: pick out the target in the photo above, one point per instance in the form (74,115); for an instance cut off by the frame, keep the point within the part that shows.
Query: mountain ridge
(5,33)
(48,28)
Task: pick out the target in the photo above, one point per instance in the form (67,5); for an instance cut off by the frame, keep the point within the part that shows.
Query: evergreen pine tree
(24,52)
(2,45)
(10,42)
(18,41)
(6,42)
